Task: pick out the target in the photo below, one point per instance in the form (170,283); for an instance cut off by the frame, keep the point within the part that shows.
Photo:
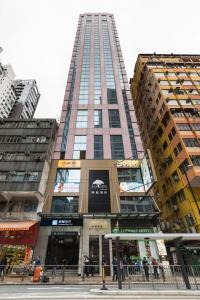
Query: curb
(166,293)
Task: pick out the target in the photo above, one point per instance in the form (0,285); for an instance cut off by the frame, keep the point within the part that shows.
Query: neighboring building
(7,93)
(25,156)
(96,184)
(27,97)
(166,93)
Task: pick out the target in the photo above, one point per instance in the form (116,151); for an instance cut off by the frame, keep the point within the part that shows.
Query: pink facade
(98,27)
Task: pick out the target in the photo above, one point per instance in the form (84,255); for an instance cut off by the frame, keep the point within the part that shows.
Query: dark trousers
(146,272)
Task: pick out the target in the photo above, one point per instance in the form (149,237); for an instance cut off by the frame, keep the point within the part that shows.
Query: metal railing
(132,277)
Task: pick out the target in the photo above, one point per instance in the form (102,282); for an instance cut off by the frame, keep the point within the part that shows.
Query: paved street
(75,292)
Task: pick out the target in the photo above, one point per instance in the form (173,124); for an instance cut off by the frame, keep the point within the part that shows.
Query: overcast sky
(37,37)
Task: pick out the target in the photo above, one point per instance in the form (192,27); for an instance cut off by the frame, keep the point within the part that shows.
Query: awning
(154,236)
(16,225)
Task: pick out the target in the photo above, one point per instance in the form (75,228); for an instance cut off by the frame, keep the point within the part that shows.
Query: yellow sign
(128,163)
(69,164)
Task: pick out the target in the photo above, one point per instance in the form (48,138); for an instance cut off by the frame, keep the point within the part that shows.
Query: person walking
(86,265)
(155,265)
(145,265)
(114,263)
(3,264)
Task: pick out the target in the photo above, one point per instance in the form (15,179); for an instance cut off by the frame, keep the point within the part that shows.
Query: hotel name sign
(128,163)
(69,164)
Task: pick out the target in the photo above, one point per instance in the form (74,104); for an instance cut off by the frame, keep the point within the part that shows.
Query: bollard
(103,279)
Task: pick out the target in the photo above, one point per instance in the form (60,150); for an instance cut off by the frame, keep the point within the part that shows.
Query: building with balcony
(7,92)
(97,183)
(166,95)
(27,97)
(25,157)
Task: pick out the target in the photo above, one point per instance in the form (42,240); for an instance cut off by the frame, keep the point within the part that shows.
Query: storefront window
(65,205)
(30,205)
(130,180)
(67,180)
(136,204)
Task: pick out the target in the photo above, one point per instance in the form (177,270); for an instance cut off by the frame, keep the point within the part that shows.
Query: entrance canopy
(16,225)
(154,236)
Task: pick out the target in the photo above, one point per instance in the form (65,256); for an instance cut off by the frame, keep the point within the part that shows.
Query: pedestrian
(55,265)
(155,265)
(86,265)
(3,264)
(145,265)
(37,261)
(92,265)
(122,269)
(114,263)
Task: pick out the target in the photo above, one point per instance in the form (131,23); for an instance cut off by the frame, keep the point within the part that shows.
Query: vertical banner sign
(99,191)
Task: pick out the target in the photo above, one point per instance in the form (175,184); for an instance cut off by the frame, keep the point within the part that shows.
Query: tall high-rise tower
(96,182)
(98,118)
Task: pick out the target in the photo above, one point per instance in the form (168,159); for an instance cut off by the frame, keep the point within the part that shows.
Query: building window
(114,119)
(98,147)
(178,149)
(65,205)
(175,176)
(2,206)
(67,180)
(117,147)
(111,96)
(80,145)
(191,142)
(195,160)
(189,219)
(82,119)
(97,118)
(183,127)
(196,126)
(164,145)
(130,180)
(136,204)
(30,205)
(21,176)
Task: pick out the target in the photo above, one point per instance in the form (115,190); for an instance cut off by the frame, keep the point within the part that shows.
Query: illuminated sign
(132,230)
(99,191)
(69,164)
(147,171)
(128,163)
(61,222)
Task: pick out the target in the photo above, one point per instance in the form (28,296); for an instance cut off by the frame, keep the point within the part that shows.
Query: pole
(119,278)
(190,187)
(181,261)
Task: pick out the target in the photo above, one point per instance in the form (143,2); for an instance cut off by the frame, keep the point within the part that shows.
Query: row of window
(188,127)
(68,180)
(18,176)
(128,204)
(175,74)
(38,124)
(19,206)
(22,156)
(22,139)
(82,118)
(80,146)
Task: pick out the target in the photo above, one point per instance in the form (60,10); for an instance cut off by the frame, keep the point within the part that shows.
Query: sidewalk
(158,294)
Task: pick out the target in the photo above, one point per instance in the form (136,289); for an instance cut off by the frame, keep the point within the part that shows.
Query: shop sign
(99,191)
(132,230)
(69,164)
(128,163)
(61,222)
(131,187)
(161,248)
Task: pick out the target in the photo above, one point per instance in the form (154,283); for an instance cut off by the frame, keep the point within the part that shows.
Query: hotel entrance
(63,248)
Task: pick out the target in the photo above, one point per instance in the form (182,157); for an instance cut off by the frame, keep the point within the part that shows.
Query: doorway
(63,248)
